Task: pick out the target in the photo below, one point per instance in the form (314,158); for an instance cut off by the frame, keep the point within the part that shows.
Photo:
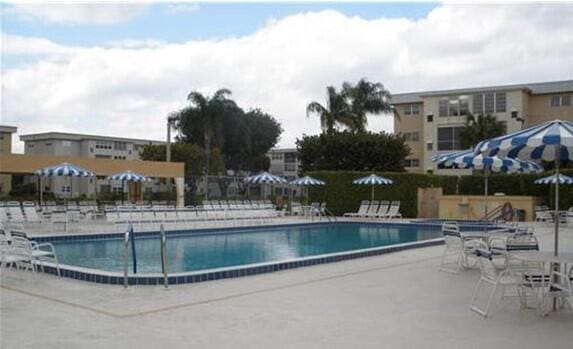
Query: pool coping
(117,278)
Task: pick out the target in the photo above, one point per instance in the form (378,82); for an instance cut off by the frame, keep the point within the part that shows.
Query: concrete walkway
(392,301)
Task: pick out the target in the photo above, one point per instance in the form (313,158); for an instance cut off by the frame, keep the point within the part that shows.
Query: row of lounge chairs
(16,250)
(382,210)
(544,214)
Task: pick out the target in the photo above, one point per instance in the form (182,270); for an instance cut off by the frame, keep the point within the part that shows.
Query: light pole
(171,119)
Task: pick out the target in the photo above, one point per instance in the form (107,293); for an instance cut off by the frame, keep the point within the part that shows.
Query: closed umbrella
(128,176)
(372,180)
(549,141)
(468,160)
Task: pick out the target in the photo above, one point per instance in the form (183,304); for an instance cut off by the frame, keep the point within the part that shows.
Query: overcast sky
(119,69)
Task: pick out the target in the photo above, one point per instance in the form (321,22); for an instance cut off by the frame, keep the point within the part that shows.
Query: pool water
(193,252)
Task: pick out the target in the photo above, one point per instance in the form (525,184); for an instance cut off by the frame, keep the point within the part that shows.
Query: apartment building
(430,121)
(6,148)
(284,163)
(86,146)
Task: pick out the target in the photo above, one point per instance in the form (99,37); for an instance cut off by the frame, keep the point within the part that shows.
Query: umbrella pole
(557,205)
(485,194)
(372,193)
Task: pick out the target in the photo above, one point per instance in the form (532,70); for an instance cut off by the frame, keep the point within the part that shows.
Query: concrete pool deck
(395,300)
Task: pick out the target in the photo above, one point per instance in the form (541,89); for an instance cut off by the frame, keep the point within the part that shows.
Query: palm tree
(206,111)
(365,97)
(480,127)
(337,111)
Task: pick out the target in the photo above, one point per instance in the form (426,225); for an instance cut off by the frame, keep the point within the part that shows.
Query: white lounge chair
(393,210)
(383,209)
(362,210)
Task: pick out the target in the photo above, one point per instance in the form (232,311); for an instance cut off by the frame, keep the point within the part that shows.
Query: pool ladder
(323,212)
(129,236)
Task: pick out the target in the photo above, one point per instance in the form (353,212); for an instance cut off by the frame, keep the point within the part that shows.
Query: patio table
(561,260)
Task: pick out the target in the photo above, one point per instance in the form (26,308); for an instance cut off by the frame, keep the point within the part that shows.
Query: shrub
(347,151)
(343,196)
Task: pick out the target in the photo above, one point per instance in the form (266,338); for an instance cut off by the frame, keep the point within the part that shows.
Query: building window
(478,104)
(48,144)
(500,102)
(430,118)
(411,136)
(454,106)
(412,163)
(30,145)
(103,145)
(66,144)
(430,146)
(119,146)
(561,101)
(449,138)
(489,103)
(464,105)
(66,189)
(411,109)
(443,107)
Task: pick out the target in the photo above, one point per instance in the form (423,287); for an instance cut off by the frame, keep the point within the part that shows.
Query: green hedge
(519,185)
(343,196)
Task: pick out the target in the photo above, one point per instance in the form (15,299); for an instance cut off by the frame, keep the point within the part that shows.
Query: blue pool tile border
(110,278)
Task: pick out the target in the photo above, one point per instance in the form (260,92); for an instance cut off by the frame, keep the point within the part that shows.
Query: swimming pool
(206,255)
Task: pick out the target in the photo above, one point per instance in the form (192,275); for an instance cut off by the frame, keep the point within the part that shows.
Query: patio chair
(41,252)
(560,289)
(362,210)
(458,250)
(542,214)
(489,277)
(372,209)
(382,209)
(393,210)
(31,214)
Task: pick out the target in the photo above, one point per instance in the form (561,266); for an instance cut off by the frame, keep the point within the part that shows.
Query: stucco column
(180,191)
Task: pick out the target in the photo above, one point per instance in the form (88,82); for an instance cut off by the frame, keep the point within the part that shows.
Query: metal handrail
(164,256)
(126,254)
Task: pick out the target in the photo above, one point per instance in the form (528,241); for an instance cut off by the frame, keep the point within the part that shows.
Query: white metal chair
(458,251)
(489,277)
(559,290)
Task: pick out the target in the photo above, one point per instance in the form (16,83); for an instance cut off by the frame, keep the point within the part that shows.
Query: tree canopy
(349,108)
(479,128)
(242,139)
(365,151)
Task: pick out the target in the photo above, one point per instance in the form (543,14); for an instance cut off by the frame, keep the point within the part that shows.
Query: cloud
(77,13)
(283,66)
(173,9)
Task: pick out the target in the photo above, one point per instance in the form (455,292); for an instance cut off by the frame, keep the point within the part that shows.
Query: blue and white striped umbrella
(264,177)
(550,141)
(306,180)
(468,160)
(372,180)
(64,169)
(553,179)
(129,176)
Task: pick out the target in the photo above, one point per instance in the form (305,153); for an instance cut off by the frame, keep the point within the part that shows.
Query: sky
(119,69)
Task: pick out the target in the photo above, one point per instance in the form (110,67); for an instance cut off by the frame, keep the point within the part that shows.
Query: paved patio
(393,301)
